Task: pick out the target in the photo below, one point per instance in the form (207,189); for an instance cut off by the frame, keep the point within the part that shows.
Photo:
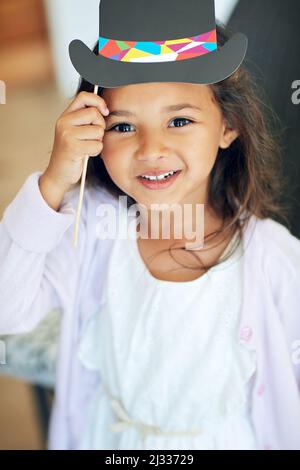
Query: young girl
(162,347)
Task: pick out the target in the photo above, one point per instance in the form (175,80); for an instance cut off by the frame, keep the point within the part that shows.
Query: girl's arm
(37,260)
(289,308)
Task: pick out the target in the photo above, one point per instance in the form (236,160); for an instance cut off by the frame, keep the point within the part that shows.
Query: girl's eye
(119,125)
(128,125)
(180,120)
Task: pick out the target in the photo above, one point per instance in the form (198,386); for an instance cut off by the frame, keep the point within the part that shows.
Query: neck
(183,225)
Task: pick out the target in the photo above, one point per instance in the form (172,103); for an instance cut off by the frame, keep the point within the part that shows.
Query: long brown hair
(247,178)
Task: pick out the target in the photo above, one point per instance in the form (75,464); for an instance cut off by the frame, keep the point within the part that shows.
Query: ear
(227,137)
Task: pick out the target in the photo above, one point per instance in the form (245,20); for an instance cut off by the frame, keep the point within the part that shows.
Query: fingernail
(106,111)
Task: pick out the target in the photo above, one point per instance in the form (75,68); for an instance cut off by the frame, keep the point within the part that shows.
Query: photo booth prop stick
(82,184)
(143,41)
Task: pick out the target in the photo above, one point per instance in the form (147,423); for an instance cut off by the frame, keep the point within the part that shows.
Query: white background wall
(68,20)
(224,9)
(79,19)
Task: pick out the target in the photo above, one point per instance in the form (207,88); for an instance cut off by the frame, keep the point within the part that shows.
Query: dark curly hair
(247,178)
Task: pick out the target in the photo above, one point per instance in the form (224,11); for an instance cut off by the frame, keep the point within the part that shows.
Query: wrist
(59,187)
(52,192)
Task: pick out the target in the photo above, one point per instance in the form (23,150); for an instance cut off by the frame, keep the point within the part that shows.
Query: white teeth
(161,177)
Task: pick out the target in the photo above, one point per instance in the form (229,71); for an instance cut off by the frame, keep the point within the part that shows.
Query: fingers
(89,132)
(92,148)
(85,116)
(85,99)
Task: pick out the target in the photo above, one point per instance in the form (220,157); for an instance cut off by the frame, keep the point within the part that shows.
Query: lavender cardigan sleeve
(31,265)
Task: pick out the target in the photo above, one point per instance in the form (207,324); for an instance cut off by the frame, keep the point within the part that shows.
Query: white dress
(173,375)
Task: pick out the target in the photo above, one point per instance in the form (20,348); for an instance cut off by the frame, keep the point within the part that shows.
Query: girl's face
(143,135)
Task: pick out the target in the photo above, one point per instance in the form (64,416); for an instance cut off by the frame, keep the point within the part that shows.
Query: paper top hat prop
(142,41)
(157,41)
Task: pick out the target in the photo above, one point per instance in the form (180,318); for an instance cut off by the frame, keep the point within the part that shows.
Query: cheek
(117,166)
(112,155)
(210,138)
(203,153)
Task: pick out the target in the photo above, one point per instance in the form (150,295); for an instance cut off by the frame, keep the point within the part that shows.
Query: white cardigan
(40,270)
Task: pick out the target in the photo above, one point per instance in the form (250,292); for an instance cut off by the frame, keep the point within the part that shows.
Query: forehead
(162,92)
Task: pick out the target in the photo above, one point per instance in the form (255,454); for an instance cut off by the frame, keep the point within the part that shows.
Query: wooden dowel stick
(82,184)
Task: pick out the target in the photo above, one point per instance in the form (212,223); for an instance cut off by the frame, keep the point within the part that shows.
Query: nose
(151,147)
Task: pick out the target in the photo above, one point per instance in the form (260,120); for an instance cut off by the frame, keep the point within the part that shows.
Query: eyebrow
(175,107)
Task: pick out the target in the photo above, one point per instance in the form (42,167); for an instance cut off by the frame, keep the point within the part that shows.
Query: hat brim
(206,69)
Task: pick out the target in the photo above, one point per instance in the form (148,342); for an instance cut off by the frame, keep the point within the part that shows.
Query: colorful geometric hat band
(158,51)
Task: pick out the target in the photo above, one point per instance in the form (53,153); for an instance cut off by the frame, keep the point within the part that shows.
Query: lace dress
(173,374)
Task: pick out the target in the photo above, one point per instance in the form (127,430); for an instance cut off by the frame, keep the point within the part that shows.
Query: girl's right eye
(118,125)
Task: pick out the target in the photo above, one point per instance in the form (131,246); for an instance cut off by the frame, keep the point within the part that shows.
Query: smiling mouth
(159,176)
(162,183)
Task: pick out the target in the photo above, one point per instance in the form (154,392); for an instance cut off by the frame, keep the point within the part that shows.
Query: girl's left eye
(181,119)
(126,124)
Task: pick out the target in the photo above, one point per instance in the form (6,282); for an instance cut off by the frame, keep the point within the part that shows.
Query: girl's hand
(79,132)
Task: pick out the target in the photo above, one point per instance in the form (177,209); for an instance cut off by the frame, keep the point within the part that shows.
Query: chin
(157,201)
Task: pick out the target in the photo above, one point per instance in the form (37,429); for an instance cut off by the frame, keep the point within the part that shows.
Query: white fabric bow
(144,429)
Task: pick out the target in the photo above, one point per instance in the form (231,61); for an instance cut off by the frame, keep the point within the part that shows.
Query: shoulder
(97,202)
(281,263)
(280,247)
(93,196)
(277,260)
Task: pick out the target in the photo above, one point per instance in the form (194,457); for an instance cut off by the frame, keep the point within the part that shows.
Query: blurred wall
(68,20)
(25,56)
(273,58)
(224,9)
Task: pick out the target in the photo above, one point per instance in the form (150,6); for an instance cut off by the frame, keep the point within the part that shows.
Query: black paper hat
(157,41)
